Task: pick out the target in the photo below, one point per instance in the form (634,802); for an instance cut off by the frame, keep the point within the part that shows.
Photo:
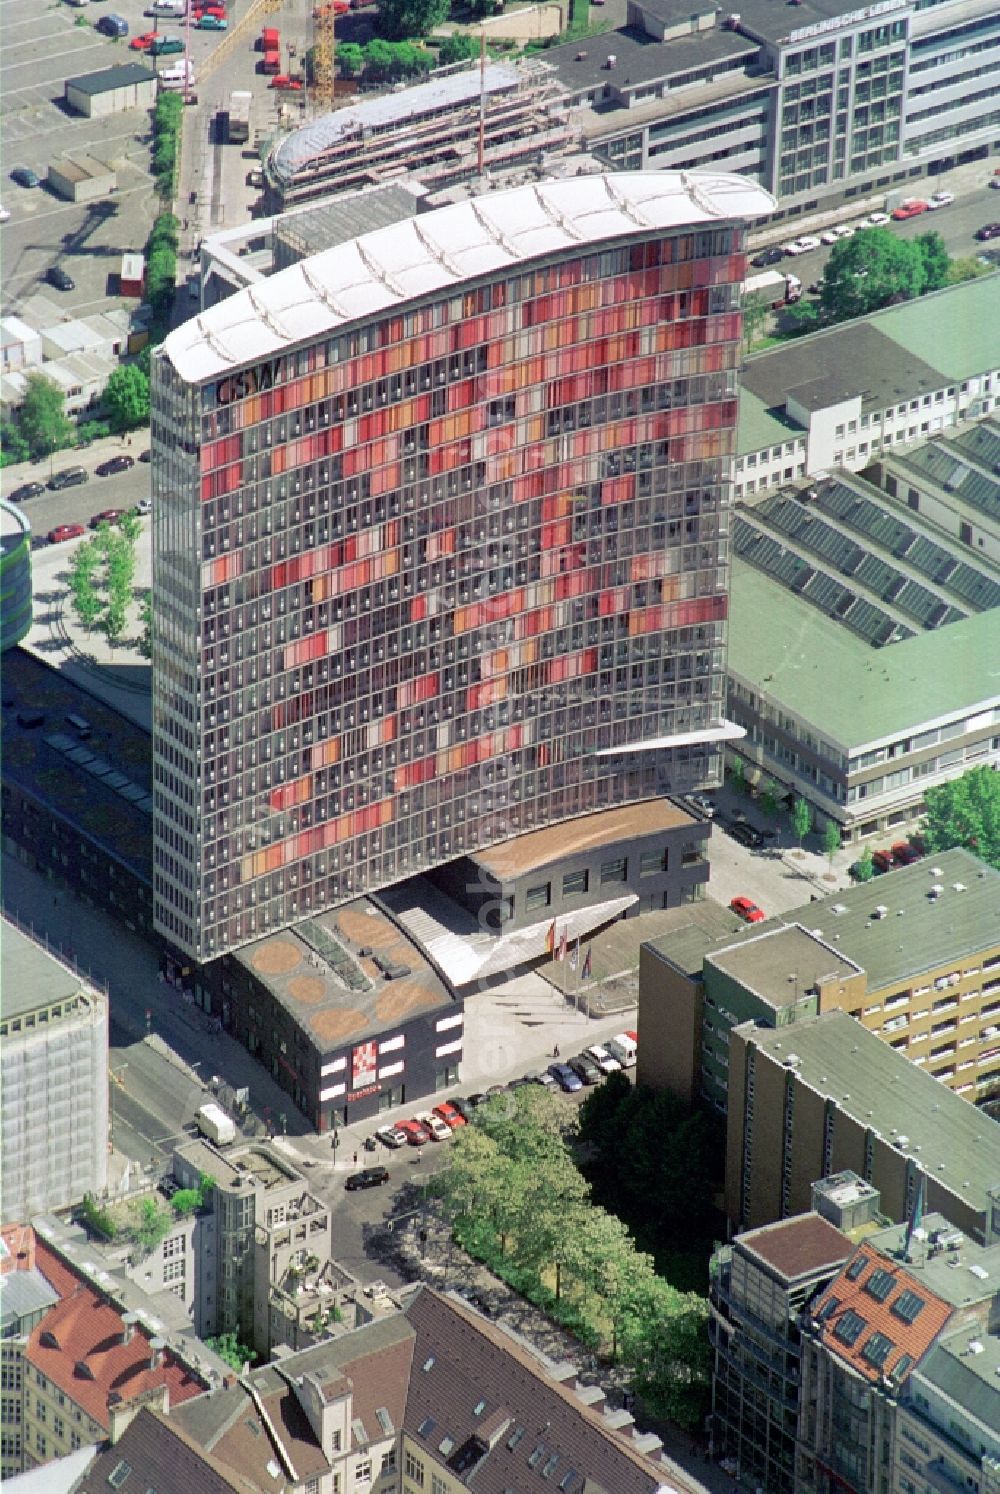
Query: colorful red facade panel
(453,569)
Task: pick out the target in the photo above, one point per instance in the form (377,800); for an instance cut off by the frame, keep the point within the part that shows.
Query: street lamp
(335,1140)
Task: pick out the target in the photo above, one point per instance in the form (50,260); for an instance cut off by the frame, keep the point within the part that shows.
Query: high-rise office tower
(440,542)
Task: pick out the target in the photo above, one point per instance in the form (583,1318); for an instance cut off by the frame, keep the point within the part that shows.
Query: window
(575,882)
(414,1469)
(849,1328)
(614,871)
(879,1284)
(438,1485)
(173,1271)
(538,897)
(877,1350)
(856,1267)
(908,1305)
(651,862)
(363,1471)
(388,1462)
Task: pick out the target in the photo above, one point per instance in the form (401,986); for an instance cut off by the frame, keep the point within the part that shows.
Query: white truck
(213,1122)
(238,127)
(777,287)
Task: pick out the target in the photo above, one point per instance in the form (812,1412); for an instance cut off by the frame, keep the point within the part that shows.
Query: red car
(290,85)
(144,42)
(106,516)
(65,532)
(903,854)
(446,1111)
(747,909)
(909,209)
(414,1133)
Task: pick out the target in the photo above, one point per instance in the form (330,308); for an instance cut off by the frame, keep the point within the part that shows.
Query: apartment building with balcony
(825,1095)
(912,956)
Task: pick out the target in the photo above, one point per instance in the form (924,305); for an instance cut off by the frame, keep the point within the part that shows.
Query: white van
(177,74)
(173,8)
(623,1048)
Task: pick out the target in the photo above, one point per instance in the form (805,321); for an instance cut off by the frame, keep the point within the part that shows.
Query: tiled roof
(161,1457)
(477,1399)
(799,1246)
(875,1301)
(78,1346)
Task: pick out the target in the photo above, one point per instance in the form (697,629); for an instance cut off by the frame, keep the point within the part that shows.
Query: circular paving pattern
(276,957)
(362,929)
(307,988)
(339,1024)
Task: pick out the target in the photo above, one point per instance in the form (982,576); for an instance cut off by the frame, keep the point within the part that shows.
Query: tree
(231,1351)
(41,418)
(350,59)
(126,398)
(831,840)
(935,259)
(966,812)
(13,446)
(151,1227)
(87,602)
(769,798)
(667,1341)
(398,19)
(755,312)
(146,622)
(864,868)
(966,268)
(738,775)
(458,47)
(868,271)
(801,820)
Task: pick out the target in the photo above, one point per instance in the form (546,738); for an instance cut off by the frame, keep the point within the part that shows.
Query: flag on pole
(574,956)
(916,1217)
(585,972)
(550,938)
(562,946)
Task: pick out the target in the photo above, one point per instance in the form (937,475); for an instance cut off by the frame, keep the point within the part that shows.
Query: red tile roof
(85,1330)
(19,1248)
(851,1292)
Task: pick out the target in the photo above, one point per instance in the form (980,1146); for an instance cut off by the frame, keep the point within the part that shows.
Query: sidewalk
(77,456)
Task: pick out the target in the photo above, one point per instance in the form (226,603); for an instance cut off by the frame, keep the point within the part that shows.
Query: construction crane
(324,68)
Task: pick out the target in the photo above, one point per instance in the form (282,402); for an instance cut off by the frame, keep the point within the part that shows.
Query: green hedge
(167,117)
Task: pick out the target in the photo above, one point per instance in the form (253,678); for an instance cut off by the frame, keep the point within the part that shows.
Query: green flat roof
(853,694)
(32,978)
(761,425)
(959,1146)
(954,329)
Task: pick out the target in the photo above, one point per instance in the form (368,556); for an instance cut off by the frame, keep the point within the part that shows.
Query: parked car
(65,532)
(463,1107)
(115,464)
(565,1078)
(286,83)
(746,834)
(391,1136)
(623,1047)
(876,220)
(143,42)
(545,1079)
(58,277)
(994,182)
(747,909)
(4,214)
(368,1177)
(25,177)
(585,1069)
(603,1059)
(940,200)
(68,478)
(911,209)
(770,256)
(702,802)
(433,1125)
(146,456)
(107,516)
(903,854)
(802,245)
(112,25)
(25,491)
(988,231)
(165,46)
(211,23)
(414,1133)
(450,1114)
(144,506)
(882,862)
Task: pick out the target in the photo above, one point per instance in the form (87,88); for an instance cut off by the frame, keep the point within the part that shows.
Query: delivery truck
(213,1122)
(238,131)
(777,287)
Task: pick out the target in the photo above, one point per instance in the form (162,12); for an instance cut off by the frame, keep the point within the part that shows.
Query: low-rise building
(932,996)
(53,1081)
(81,178)
(951,482)
(760,1285)
(884,1348)
(825,1095)
(130,85)
(75,1367)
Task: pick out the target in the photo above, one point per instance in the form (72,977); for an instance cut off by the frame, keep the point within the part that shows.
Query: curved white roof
(426,255)
(311,140)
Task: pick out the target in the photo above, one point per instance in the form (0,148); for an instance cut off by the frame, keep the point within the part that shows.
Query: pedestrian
(555,1051)
(355,1159)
